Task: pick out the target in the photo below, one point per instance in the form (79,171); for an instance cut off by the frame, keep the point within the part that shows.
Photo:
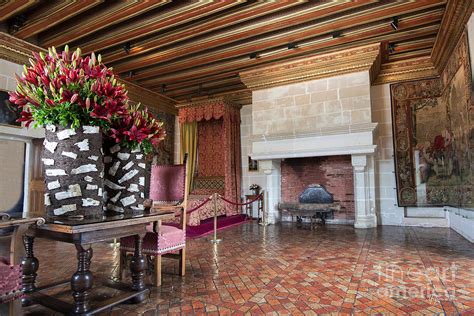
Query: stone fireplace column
(272,171)
(364,191)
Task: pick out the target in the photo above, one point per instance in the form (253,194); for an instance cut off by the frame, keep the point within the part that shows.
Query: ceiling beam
(51,14)
(295,35)
(182,12)
(240,32)
(245,62)
(234,16)
(10,8)
(105,16)
(452,26)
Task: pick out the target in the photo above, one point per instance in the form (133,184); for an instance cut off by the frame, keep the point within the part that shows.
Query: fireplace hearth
(315,202)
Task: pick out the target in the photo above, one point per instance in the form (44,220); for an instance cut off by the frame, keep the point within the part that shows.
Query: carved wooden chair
(10,262)
(168,191)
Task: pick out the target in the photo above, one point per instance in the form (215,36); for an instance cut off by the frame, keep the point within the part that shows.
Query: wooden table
(83,233)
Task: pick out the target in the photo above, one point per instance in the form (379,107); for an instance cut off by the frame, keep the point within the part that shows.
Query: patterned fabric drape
(189,146)
(207,111)
(210,145)
(233,164)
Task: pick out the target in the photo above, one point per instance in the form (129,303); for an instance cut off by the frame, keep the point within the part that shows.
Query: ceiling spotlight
(391,48)
(16,23)
(163,88)
(126,47)
(200,89)
(131,73)
(292,46)
(394,23)
(336,34)
(253,56)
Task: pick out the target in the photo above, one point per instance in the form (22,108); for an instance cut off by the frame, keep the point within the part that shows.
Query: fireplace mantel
(348,141)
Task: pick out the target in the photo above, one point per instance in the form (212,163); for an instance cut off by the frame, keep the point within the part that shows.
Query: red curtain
(210,145)
(233,158)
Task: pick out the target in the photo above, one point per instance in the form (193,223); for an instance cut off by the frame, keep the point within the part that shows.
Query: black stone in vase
(124,184)
(316,193)
(73,169)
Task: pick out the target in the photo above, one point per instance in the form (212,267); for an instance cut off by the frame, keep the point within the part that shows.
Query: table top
(73,226)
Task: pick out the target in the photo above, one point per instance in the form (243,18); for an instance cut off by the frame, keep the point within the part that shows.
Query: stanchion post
(214,200)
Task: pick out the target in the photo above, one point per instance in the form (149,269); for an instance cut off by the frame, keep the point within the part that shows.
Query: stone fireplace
(313,124)
(318,106)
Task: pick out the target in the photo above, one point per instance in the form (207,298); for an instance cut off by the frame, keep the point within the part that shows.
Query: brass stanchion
(215,240)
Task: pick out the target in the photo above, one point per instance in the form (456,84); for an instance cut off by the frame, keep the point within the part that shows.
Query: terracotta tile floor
(288,270)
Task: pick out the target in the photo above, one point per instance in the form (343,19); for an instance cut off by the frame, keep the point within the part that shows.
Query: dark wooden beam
(179,13)
(96,20)
(233,16)
(244,63)
(51,14)
(10,8)
(240,32)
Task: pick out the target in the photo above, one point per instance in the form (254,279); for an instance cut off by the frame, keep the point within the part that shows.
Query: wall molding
(363,58)
(452,27)
(18,51)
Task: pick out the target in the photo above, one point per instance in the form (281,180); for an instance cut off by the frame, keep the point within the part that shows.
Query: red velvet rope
(225,200)
(242,204)
(199,206)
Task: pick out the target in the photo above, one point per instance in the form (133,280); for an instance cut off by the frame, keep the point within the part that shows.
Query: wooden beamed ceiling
(192,49)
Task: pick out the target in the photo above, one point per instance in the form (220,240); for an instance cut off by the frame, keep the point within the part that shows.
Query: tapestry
(434,136)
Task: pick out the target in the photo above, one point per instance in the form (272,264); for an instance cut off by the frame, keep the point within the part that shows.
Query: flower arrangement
(68,90)
(255,188)
(137,129)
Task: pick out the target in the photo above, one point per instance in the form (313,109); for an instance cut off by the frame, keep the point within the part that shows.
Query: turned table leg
(81,280)
(137,268)
(30,265)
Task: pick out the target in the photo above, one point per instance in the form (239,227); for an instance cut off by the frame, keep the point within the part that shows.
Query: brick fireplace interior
(334,172)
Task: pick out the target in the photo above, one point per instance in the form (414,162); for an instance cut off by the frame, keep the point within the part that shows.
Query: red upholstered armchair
(10,267)
(167,191)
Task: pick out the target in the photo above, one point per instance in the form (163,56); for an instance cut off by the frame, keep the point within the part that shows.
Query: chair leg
(157,270)
(14,308)
(182,262)
(122,263)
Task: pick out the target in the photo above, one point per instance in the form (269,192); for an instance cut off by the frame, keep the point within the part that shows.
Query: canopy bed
(210,134)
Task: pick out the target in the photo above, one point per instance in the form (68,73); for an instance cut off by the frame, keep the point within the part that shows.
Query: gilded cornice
(16,50)
(19,51)
(452,26)
(406,70)
(361,58)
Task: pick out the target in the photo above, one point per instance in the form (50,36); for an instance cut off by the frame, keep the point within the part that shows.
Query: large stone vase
(73,169)
(124,183)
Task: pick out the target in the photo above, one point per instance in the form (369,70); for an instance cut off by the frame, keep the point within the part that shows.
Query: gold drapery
(189,136)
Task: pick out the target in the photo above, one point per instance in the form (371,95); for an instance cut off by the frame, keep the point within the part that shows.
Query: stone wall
(334,172)
(312,106)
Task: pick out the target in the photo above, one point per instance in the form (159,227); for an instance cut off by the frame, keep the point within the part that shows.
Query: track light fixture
(336,34)
(126,47)
(163,88)
(391,48)
(292,46)
(253,56)
(131,73)
(394,23)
